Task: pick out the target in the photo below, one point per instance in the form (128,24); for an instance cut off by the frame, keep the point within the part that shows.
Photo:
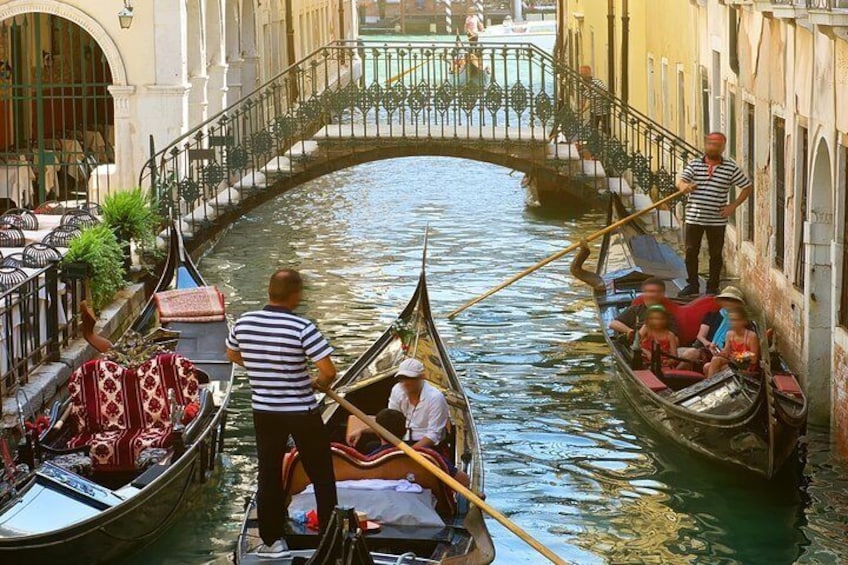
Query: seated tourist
(628,322)
(655,333)
(633,317)
(395,422)
(741,346)
(423,405)
(714,326)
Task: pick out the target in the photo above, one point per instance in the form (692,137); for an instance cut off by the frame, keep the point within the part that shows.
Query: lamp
(125,16)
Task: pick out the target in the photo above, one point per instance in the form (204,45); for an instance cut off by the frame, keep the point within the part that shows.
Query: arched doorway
(819,290)
(56,111)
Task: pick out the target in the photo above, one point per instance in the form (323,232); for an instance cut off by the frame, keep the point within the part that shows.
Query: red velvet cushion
(786,383)
(688,316)
(650,380)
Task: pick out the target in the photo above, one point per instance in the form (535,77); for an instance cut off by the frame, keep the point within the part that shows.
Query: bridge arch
(206,220)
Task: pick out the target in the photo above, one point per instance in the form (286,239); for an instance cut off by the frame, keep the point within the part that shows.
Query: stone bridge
(354,102)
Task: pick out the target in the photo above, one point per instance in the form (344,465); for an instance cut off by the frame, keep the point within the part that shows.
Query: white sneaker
(277,550)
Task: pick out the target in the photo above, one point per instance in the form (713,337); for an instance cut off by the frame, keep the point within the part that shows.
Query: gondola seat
(687,316)
(119,412)
(350,465)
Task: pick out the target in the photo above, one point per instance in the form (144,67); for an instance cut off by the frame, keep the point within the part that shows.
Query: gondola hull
(464,539)
(741,420)
(130,526)
(60,516)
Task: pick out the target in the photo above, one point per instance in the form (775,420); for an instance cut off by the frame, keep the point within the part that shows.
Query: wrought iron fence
(39,313)
(56,112)
(449,90)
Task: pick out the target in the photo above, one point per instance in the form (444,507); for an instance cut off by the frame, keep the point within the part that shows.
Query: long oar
(447,479)
(566,251)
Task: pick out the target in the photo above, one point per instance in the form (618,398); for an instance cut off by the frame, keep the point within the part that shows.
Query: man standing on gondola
(708,180)
(274,344)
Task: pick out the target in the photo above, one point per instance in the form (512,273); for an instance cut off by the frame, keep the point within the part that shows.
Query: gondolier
(708,181)
(273,344)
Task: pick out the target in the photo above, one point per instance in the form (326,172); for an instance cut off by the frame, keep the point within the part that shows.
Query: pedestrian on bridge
(708,180)
(595,100)
(273,344)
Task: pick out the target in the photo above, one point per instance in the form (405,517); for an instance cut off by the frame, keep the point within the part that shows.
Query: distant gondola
(748,420)
(461,535)
(99,486)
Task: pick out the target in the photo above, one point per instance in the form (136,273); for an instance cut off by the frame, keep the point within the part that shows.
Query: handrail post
(51,283)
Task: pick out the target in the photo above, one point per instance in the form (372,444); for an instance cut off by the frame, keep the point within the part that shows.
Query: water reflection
(565,455)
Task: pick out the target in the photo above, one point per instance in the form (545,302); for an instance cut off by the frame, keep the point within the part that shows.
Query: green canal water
(565,455)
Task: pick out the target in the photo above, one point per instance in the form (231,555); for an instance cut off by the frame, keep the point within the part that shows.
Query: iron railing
(56,113)
(449,91)
(38,314)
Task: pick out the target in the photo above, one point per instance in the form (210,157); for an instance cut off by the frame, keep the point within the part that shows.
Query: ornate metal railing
(450,91)
(38,315)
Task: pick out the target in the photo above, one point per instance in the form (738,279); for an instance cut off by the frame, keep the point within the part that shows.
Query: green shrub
(132,216)
(98,249)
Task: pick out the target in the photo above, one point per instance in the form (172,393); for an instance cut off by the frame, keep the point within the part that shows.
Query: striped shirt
(713,186)
(599,104)
(275,344)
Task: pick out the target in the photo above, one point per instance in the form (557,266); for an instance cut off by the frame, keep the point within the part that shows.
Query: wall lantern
(125,16)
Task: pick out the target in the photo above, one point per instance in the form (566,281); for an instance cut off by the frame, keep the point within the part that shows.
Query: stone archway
(58,115)
(77,16)
(818,295)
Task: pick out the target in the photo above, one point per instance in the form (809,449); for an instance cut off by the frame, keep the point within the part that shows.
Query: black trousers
(694,233)
(313,442)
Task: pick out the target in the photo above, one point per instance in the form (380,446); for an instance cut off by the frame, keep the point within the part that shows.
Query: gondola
(745,419)
(94,488)
(460,535)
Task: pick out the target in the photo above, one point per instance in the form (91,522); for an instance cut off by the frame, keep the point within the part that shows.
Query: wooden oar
(566,251)
(399,76)
(447,479)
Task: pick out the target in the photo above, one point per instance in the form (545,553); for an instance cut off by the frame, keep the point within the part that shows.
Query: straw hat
(732,293)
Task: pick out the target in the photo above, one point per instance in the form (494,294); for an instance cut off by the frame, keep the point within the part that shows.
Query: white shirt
(428,418)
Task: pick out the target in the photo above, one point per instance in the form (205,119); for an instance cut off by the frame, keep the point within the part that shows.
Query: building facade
(81,93)
(773,76)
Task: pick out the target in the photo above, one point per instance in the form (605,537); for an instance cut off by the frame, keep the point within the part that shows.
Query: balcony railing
(39,313)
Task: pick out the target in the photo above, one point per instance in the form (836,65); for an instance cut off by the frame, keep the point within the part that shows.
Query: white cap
(411,368)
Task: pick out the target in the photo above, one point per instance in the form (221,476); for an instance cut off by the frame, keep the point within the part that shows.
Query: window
(803,187)
(843,305)
(779,182)
(731,141)
(705,101)
(750,156)
(733,40)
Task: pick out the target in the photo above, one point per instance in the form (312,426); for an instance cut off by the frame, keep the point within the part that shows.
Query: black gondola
(66,506)
(746,419)
(463,537)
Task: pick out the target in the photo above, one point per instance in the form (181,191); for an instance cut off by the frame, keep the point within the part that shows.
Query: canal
(565,455)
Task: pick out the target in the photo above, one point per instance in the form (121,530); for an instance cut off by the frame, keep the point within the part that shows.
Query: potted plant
(97,253)
(132,216)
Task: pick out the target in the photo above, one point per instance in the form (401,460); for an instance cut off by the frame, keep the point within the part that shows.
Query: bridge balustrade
(448,92)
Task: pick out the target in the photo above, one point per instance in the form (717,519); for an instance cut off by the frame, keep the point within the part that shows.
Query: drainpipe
(625,53)
(611,46)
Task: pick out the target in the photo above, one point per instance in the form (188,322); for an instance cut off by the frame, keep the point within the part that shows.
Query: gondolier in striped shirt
(708,181)
(596,100)
(274,344)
